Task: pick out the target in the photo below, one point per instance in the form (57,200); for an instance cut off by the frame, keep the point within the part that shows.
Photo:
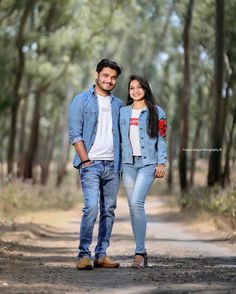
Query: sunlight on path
(39,255)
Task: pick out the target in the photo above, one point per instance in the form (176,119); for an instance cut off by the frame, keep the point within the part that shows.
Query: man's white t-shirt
(102,148)
(134,132)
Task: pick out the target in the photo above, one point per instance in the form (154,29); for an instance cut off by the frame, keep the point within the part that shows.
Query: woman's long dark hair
(153,126)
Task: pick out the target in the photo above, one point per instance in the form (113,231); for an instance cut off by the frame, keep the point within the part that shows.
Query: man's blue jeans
(137,180)
(100,186)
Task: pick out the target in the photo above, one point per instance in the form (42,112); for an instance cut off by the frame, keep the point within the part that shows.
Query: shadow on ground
(53,270)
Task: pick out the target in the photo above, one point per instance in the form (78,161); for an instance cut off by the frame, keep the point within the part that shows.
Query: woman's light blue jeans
(137,180)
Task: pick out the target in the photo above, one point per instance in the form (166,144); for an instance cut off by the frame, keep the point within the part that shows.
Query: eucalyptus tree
(185,98)
(214,173)
(61,43)
(14,21)
(46,64)
(230,89)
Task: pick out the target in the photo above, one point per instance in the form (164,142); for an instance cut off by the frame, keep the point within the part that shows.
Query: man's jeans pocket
(82,167)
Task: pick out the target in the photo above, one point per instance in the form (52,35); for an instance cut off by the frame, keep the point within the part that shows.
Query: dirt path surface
(38,256)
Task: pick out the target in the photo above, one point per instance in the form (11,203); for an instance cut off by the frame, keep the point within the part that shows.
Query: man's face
(106,79)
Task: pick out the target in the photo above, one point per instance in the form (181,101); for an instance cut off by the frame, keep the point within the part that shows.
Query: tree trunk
(1,159)
(65,147)
(195,145)
(44,174)
(33,143)
(46,157)
(62,171)
(196,138)
(225,177)
(185,102)
(172,143)
(16,86)
(214,170)
(226,173)
(12,138)
(4,137)
(21,159)
(170,160)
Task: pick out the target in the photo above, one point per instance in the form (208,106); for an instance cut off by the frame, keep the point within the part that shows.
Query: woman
(143,134)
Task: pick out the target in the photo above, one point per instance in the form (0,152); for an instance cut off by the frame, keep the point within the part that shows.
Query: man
(94,132)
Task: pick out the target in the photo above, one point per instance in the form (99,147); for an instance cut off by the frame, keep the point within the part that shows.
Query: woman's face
(136,92)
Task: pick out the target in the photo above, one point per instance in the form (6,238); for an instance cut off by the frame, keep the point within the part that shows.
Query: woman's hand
(160,171)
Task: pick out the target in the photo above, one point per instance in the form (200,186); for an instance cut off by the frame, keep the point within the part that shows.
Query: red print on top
(133,122)
(162,128)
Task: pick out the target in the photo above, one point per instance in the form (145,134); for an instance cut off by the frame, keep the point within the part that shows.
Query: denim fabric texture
(100,186)
(100,180)
(83,123)
(138,179)
(153,150)
(139,171)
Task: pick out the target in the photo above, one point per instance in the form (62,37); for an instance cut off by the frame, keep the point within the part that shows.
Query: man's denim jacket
(153,150)
(83,118)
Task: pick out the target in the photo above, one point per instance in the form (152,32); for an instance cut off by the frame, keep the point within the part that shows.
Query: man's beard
(101,86)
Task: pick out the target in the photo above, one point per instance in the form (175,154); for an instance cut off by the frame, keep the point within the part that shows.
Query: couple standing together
(110,139)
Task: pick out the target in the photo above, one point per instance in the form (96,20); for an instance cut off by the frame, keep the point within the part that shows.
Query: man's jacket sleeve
(76,111)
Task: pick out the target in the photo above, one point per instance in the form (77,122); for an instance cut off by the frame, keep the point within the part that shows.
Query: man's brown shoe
(106,262)
(84,263)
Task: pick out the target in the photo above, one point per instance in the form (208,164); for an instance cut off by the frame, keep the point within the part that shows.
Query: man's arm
(76,123)
(80,149)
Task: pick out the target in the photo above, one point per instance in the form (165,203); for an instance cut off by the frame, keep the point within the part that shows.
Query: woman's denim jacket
(153,150)
(83,118)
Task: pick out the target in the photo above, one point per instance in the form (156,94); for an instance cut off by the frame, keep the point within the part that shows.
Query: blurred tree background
(49,50)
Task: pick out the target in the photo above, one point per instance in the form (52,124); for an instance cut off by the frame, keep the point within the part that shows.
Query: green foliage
(18,197)
(215,200)
(64,40)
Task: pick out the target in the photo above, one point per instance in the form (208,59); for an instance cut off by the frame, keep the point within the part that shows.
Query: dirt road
(38,256)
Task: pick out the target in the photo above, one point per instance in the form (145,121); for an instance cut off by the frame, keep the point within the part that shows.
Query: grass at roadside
(18,197)
(215,201)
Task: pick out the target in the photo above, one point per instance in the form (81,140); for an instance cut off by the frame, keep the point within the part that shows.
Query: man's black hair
(108,63)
